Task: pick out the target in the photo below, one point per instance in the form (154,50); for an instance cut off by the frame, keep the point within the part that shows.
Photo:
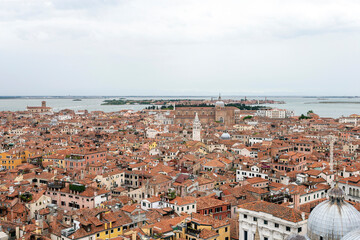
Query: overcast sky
(179,47)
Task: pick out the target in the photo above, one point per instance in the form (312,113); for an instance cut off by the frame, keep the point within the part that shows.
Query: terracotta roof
(279,211)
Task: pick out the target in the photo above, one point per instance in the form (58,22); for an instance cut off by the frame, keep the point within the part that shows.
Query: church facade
(227,115)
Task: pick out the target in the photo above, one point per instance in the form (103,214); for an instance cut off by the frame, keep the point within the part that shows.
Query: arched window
(221,119)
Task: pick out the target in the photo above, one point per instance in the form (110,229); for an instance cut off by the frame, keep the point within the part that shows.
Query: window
(265,222)
(299,229)
(245,235)
(265,238)
(245,216)
(255,219)
(112,230)
(226,229)
(288,229)
(276,225)
(98,235)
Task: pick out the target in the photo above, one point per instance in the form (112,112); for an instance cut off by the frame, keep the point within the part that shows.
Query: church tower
(196,129)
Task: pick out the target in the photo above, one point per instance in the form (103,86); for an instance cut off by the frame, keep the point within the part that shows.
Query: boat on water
(77,99)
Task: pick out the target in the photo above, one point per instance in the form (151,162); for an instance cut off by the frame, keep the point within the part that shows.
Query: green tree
(247,117)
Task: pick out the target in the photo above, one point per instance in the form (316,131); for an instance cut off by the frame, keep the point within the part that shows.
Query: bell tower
(196,129)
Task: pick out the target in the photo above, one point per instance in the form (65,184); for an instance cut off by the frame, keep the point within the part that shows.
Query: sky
(180,47)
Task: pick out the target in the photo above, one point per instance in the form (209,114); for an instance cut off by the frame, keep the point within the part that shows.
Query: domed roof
(219,104)
(296,237)
(353,235)
(333,218)
(225,136)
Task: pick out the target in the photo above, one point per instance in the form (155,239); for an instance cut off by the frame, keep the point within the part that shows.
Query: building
(351,186)
(8,161)
(38,201)
(270,221)
(43,109)
(351,120)
(275,113)
(201,227)
(210,206)
(333,218)
(196,129)
(76,196)
(250,172)
(219,113)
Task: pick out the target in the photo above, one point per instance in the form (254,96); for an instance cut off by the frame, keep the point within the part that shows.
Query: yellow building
(191,227)
(9,161)
(205,227)
(97,225)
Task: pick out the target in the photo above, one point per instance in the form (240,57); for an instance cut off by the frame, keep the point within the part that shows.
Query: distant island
(239,106)
(127,102)
(192,102)
(336,102)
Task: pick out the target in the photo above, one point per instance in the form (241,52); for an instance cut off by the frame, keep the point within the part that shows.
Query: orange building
(227,115)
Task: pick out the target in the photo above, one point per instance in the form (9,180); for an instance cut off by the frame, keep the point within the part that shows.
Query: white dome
(353,235)
(296,237)
(225,136)
(220,104)
(333,218)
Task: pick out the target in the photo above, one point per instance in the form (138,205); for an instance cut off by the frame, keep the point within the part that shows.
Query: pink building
(79,160)
(76,196)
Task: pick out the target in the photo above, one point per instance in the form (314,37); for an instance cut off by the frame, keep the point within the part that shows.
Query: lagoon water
(342,107)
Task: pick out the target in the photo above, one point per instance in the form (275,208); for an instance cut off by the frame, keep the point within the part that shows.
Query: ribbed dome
(225,136)
(333,218)
(336,194)
(220,104)
(353,235)
(296,237)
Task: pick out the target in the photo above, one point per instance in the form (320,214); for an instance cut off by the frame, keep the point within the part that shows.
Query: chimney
(303,216)
(297,201)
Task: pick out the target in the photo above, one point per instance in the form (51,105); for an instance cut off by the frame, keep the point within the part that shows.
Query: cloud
(257,45)
(175,21)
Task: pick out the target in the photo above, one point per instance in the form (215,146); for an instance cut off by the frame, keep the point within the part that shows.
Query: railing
(56,185)
(67,232)
(192,232)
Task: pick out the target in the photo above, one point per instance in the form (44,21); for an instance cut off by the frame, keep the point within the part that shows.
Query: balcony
(56,185)
(192,232)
